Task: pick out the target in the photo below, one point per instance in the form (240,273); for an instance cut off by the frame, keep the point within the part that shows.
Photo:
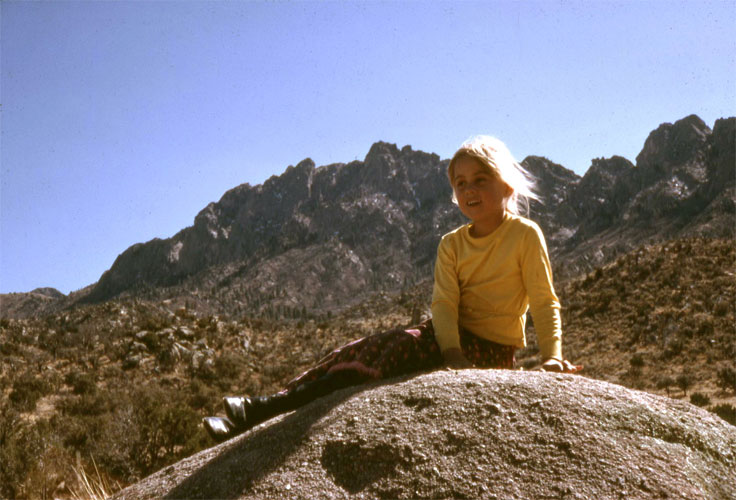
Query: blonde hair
(496,157)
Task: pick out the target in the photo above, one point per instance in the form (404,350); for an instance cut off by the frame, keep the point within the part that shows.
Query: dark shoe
(237,409)
(220,429)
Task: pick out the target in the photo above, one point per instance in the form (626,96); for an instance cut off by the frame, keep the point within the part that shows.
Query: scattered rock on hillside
(469,434)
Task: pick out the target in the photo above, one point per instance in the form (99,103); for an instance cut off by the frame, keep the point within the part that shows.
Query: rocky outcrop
(381,217)
(682,185)
(469,434)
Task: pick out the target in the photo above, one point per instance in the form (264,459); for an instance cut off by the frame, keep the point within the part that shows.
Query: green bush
(684,382)
(165,357)
(154,321)
(636,361)
(87,404)
(82,383)
(699,399)
(672,348)
(27,390)
(726,411)
(665,382)
(151,341)
(20,446)
(229,366)
(9,348)
(202,396)
(727,378)
(167,428)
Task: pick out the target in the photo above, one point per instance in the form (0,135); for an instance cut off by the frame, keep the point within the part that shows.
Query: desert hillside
(124,384)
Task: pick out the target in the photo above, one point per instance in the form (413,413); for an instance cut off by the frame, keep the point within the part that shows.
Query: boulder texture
(469,434)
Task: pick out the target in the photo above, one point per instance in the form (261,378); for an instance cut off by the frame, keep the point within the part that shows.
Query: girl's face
(480,194)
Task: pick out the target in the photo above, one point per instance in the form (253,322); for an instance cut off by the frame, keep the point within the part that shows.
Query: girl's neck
(487,226)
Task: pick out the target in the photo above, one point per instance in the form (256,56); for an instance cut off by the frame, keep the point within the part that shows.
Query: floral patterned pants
(398,352)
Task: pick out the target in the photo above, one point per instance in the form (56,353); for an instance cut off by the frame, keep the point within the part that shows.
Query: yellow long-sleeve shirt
(486,285)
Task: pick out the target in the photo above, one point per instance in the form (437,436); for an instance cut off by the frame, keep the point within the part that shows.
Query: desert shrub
(91,403)
(167,428)
(208,323)
(684,382)
(9,348)
(727,378)
(166,358)
(201,395)
(151,341)
(20,445)
(665,382)
(277,373)
(105,438)
(705,325)
(699,399)
(636,361)
(75,433)
(153,321)
(722,307)
(726,411)
(27,390)
(44,477)
(633,377)
(130,362)
(672,348)
(228,366)
(82,383)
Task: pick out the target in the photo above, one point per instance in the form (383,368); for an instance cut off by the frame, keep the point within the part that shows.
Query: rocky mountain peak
(674,144)
(382,150)
(603,175)
(49,292)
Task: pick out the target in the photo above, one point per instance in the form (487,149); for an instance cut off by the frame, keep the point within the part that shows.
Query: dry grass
(92,487)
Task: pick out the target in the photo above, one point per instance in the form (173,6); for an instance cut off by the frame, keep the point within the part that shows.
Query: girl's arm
(544,304)
(445,301)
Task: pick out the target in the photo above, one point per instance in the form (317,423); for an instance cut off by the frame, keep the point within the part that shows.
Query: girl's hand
(455,359)
(564,366)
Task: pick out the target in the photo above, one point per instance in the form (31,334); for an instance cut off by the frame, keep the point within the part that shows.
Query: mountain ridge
(324,238)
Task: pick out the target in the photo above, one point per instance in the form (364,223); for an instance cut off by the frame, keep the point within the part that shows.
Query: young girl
(488,273)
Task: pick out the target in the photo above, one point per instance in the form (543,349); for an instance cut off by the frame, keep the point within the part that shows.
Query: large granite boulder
(469,434)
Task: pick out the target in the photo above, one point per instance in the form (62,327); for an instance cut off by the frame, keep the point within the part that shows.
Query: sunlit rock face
(469,434)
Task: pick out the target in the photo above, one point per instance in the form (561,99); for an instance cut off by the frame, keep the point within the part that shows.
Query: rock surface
(469,434)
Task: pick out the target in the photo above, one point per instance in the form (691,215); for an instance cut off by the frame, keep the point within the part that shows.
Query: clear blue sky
(121,120)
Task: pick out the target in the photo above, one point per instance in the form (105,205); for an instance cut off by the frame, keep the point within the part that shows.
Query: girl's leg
(382,355)
(246,412)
